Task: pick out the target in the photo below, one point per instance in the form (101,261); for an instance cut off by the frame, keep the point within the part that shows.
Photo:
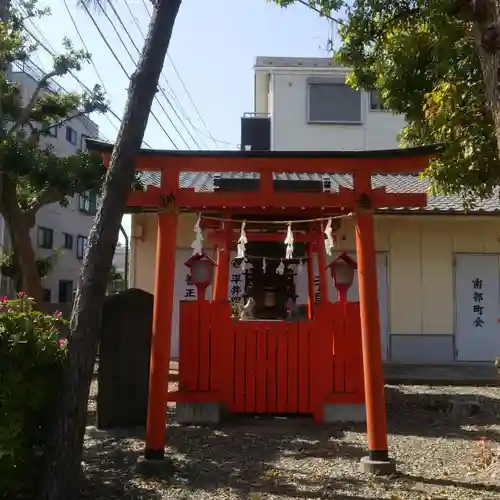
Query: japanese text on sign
(236,283)
(317,289)
(189,292)
(477,300)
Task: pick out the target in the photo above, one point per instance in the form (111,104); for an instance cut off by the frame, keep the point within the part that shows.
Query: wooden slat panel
(354,358)
(282,367)
(188,346)
(272,346)
(321,357)
(293,368)
(304,376)
(339,347)
(227,370)
(239,367)
(204,317)
(250,366)
(261,376)
(221,328)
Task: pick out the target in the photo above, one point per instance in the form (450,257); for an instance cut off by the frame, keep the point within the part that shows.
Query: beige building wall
(421,276)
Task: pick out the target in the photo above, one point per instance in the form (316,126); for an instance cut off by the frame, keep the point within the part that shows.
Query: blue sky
(214,46)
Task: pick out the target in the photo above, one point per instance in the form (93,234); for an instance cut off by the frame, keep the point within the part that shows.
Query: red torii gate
(169,198)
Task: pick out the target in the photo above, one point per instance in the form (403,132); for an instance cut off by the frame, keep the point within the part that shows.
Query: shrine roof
(395,183)
(403,183)
(106,147)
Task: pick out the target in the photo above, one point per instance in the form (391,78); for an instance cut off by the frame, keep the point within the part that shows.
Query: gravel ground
(439,455)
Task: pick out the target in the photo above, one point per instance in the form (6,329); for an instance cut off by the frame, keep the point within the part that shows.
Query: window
(65,291)
(71,135)
(47,295)
(52,131)
(376,103)
(81,244)
(83,141)
(68,241)
(333,103)
(87,203)
(45,237)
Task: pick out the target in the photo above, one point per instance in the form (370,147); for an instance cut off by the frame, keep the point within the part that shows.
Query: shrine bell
(201,272)
(342,271)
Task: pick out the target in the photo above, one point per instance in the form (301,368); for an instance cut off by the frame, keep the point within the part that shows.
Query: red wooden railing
(270,366)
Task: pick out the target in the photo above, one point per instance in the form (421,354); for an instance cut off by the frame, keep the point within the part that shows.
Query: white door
(477,303)
(301,285)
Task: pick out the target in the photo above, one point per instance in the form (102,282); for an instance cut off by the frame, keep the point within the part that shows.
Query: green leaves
(33,355)
(41,176)
(420,56)
(324,6)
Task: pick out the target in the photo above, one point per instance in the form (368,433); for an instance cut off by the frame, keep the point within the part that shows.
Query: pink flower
(62,342)
(58,314)
(21,295)
(4,299)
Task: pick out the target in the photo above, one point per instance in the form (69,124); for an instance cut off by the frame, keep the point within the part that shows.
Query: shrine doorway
(271,287)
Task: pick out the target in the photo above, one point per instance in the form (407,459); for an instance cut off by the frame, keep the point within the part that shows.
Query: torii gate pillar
(377,460)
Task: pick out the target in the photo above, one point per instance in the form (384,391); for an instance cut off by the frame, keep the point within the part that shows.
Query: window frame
(87,197)
(381,108)
(81,247)
(312,82)
(68,238)
(41,232)
(69,296)
(52,132)
(69,131)
(83,144)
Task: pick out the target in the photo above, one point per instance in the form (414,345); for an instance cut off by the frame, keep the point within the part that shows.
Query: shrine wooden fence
(270,366)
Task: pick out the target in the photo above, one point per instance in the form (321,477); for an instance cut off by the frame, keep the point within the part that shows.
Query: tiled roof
(204,182)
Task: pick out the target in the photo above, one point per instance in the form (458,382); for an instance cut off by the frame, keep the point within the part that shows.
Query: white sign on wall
(237,279)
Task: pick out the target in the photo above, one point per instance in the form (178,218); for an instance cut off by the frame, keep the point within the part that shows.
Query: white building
(58,228)
(313,109)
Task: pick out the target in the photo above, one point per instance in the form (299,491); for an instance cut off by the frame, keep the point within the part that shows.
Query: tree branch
(37,132)
(45,197)
(26,112)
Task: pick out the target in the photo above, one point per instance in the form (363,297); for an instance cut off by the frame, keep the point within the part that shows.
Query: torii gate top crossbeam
(361,164)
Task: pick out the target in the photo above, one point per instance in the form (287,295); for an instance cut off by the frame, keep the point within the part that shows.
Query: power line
(135,63)
(91,60)
(84,44)
(52,53)
(181,80)
(125,71)
(161,89)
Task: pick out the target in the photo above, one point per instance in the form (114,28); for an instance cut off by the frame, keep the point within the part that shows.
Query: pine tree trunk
(19,225)
(62,475)
(29,279)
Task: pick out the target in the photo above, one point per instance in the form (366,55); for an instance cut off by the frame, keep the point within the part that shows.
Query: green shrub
(32,354)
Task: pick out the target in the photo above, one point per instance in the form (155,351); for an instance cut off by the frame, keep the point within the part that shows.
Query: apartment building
(61,229)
